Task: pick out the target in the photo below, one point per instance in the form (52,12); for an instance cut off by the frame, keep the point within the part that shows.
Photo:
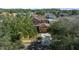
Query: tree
(65,34)
(12,29)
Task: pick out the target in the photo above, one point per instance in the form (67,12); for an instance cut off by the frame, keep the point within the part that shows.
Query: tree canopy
(12,28)
(65,34)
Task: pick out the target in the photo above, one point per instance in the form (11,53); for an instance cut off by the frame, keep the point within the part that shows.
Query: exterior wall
(43,28)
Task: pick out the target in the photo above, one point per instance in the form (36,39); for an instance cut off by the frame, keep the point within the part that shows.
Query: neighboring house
(63,14)
(4,13)
(50,17)
(14,14)
(40,22)
(8,14)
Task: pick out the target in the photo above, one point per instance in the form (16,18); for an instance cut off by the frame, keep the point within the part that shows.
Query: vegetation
(65,34)
(56,12)
(41,11)
(13,28)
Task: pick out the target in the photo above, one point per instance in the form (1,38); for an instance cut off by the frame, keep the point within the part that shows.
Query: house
(50,17)
(14,14)
(4,13)
(8,14)
(63,14)
(43,27)
(40,22)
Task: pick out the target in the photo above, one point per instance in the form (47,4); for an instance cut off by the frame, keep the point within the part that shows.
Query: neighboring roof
(38,17)
(63,14)
(50,15)
(43,25)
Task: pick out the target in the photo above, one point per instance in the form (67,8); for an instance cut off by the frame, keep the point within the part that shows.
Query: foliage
(65,34)
(56,12)
(13,28)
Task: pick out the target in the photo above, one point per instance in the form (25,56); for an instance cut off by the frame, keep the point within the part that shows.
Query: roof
(43,25)
(38,19)
(50,15)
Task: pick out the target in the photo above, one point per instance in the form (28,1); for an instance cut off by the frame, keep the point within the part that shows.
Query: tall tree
(12,28)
